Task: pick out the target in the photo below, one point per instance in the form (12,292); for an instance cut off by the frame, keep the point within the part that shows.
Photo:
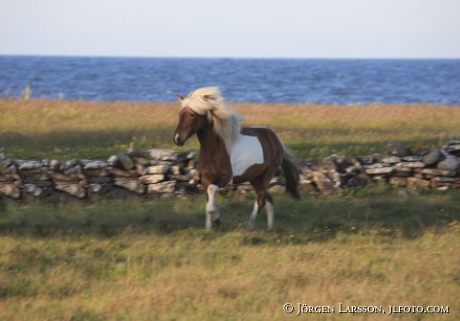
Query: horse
(230,154)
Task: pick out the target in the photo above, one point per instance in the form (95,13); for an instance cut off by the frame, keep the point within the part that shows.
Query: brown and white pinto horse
(230,154)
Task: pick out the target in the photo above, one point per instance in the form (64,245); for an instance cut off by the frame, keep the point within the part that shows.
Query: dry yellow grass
(180,277)
(40,116)
(312,131)
(60,115)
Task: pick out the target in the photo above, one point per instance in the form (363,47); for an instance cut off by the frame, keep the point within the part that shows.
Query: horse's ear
(180,97)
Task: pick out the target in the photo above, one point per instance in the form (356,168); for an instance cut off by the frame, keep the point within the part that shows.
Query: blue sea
(298,81)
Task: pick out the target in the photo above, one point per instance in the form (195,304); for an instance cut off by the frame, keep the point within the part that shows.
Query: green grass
(132,259)
(142,259)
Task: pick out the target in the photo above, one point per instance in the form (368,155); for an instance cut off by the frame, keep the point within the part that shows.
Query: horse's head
(190,122)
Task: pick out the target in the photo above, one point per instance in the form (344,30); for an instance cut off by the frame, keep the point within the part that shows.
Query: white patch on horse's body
(245,152)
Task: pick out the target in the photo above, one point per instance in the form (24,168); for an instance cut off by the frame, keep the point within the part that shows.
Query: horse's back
(271,145)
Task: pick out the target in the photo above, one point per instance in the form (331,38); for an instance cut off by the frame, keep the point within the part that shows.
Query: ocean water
(298,81)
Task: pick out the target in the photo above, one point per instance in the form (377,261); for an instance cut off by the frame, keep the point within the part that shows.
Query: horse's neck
(213,159)
(211,144)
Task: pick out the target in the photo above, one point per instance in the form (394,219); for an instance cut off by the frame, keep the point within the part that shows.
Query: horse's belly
(245,152)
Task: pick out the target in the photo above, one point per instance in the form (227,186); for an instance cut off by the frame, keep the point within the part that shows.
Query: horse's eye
(193,114)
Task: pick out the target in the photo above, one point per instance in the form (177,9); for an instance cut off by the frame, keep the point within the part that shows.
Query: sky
(232,28)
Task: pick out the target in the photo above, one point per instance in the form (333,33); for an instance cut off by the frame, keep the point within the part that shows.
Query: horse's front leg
(212,214)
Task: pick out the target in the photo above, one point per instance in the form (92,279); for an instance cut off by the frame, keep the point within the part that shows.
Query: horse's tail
(290,166)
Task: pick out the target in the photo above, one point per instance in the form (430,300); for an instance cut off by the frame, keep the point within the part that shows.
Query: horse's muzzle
(179,140)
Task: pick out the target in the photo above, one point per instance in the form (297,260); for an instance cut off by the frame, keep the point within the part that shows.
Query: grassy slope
(133,259)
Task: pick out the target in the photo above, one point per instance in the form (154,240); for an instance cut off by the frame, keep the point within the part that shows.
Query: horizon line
(225,57)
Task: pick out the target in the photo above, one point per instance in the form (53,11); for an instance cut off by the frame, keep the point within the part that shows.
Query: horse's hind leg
(263,200)
(253,216)
(270,210)
(212,214)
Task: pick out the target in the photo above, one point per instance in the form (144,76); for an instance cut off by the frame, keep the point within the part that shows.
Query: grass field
(152,260)
(56,129)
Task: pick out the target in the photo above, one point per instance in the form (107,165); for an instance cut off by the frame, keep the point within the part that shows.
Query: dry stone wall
(167,173)
(399,166)
(158,172)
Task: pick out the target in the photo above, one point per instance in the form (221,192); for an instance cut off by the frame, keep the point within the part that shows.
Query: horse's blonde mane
(210,102)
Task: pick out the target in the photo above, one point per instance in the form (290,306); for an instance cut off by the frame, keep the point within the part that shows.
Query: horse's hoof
(248,226)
